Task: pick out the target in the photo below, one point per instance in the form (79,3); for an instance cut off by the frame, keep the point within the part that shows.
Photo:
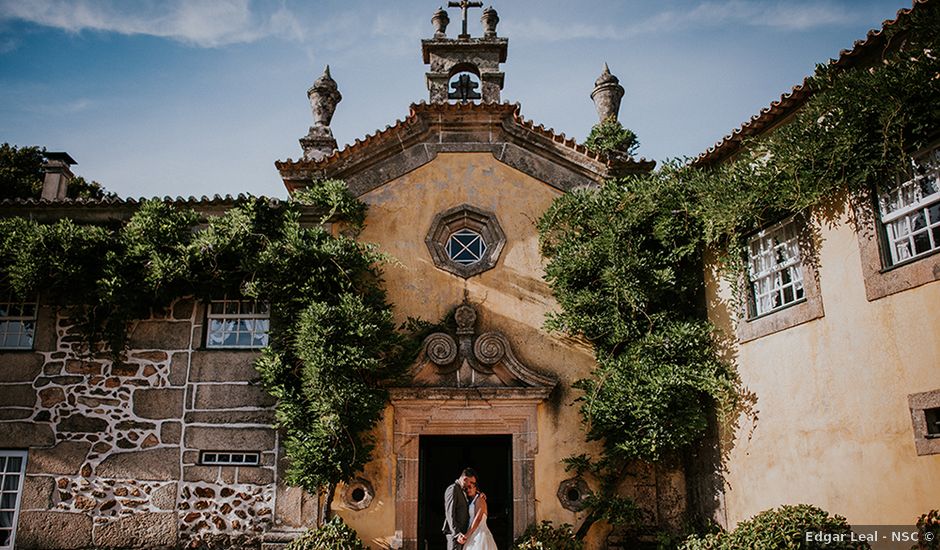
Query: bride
(478,537)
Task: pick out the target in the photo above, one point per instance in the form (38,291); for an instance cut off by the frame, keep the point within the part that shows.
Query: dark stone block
(134,425)
(224,366)
(141,530)
(179,369)
(26,434)
(15,414)
(37,493)
(183,309)
(232,439)
(160,335)
(170,433)
(255,475)
(20,366)
(231,396)
(46,336)
(59,530)
(17,395)
(156,464)
(231,417)
(158,403)
(81,423)
(66,458)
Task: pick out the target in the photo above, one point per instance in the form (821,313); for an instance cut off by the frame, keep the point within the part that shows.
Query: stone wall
(114,446)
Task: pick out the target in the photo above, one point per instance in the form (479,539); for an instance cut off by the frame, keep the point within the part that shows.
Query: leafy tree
(625,264)
(20,171)
(21,176)
(611,138)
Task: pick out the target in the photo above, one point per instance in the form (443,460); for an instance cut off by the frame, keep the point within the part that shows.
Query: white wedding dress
(481,538)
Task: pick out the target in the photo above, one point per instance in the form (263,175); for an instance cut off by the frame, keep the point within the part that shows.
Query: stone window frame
(925,443)
(5,456)
(465,216)
(238,318)
(880,276)
(810,307)
(25,322)
(215,458)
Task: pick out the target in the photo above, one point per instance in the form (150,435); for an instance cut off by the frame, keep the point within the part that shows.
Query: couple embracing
(465,515)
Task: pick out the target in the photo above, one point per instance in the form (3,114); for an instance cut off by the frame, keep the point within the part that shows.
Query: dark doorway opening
(441,458)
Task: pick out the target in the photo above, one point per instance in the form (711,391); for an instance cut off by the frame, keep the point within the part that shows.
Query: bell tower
(465,68)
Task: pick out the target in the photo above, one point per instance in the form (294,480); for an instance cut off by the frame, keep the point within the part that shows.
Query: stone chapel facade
(175,445)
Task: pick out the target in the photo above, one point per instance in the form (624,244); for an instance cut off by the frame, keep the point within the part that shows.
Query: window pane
(11,482)
(8,501)
(5,535)
(14,463)
(921,243)
(6,519)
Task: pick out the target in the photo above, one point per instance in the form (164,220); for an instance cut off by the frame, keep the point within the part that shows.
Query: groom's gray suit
(456,515)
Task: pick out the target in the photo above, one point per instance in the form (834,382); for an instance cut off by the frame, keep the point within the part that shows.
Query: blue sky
(197,97)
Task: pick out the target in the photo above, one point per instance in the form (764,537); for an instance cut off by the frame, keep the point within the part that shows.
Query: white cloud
(205,23)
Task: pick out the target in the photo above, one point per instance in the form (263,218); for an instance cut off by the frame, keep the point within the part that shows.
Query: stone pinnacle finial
(324,96)
(607,95)
(489,19)
(440,20)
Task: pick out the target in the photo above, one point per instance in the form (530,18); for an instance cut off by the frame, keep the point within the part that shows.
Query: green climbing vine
(332,344)
(625,260)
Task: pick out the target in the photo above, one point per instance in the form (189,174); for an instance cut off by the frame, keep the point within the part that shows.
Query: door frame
(466,411)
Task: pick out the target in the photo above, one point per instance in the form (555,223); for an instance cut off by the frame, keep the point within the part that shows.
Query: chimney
(55,184)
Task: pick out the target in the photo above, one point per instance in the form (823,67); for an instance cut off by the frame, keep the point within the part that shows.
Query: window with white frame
(229,458)
(775,268)
(12,468)
(17,322)
(910,211)
(237,324)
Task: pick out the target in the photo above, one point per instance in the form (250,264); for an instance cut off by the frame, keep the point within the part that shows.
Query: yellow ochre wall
(833,426)
(511,298)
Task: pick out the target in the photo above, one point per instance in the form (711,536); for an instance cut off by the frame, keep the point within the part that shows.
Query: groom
(457,509)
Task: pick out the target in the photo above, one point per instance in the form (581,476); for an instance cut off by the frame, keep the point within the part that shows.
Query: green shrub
(929,523)
(610,137)
(545,536)
(332,535)
(782,528)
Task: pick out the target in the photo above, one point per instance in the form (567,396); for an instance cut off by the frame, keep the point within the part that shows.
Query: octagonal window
(466,246)
(465,240)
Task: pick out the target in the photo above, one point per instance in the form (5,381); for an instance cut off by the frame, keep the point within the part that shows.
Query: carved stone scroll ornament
(473,361)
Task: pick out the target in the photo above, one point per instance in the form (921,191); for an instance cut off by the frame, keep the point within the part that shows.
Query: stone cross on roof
(464,5)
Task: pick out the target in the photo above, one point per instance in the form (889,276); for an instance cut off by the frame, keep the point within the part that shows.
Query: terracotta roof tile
(790,101)
(215,200)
